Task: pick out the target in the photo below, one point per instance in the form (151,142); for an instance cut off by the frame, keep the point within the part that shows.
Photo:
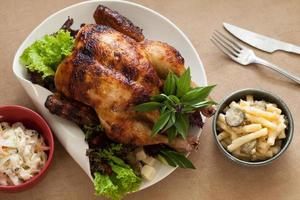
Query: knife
(260,41)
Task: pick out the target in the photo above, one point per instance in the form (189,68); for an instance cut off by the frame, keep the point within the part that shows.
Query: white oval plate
(155,27)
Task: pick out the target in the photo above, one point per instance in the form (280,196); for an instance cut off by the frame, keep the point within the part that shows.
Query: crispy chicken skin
(111,18)
(112,72)
(164,58)
(109,72)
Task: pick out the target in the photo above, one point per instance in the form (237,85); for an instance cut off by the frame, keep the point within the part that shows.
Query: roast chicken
(112,68)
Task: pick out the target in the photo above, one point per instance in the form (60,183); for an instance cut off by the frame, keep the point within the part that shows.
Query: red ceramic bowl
(31,120)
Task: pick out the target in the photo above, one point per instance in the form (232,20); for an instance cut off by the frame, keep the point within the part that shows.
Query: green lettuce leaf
(44,55)
(105,187)
(122,181)
(126,179)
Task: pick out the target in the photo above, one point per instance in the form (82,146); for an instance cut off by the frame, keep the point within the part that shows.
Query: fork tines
(225,44)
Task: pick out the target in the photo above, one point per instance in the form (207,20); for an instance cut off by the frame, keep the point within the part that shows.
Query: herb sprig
(177,101)
(91,131)
(175,159)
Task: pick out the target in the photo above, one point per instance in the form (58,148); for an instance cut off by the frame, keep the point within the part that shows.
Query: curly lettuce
(105,187)
(123,180)
(44,55)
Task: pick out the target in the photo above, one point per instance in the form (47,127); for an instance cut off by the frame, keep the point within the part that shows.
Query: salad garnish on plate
(132,97)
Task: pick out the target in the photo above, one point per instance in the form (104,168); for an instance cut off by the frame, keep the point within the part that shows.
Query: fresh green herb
(170,84)
(184,83)
(147,106)
(182,124)
(177,101)
(197,95)
(92,131)
(162,121)
(175,159)
(115,148)
(104,186)
(44,55)
(171,133)
(99,158)
(121,181)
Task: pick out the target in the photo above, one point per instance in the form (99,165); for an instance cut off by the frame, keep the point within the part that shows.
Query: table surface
(216,177)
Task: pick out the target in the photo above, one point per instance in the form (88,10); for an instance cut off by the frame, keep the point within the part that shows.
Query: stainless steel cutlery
(244,55)
(260,41)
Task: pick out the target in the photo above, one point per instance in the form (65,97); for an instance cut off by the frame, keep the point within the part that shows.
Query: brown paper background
(216,177)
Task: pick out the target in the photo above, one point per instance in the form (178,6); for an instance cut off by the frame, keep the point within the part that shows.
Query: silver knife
(260,41)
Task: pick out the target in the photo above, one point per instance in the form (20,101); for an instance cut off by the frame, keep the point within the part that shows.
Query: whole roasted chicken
(113,68)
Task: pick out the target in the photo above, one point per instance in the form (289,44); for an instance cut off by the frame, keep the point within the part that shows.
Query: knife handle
(293,49)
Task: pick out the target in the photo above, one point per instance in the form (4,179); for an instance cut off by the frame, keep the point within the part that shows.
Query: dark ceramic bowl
(31,120)
(258,95)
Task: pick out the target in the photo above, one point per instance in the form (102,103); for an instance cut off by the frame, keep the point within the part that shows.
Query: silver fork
(244,55)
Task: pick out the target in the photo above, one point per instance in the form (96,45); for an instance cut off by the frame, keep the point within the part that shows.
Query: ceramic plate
(155,27)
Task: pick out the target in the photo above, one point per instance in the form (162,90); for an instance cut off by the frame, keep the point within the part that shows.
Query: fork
(244,55)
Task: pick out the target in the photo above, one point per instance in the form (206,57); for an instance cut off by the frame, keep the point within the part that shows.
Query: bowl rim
(42,172)
(282,105)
